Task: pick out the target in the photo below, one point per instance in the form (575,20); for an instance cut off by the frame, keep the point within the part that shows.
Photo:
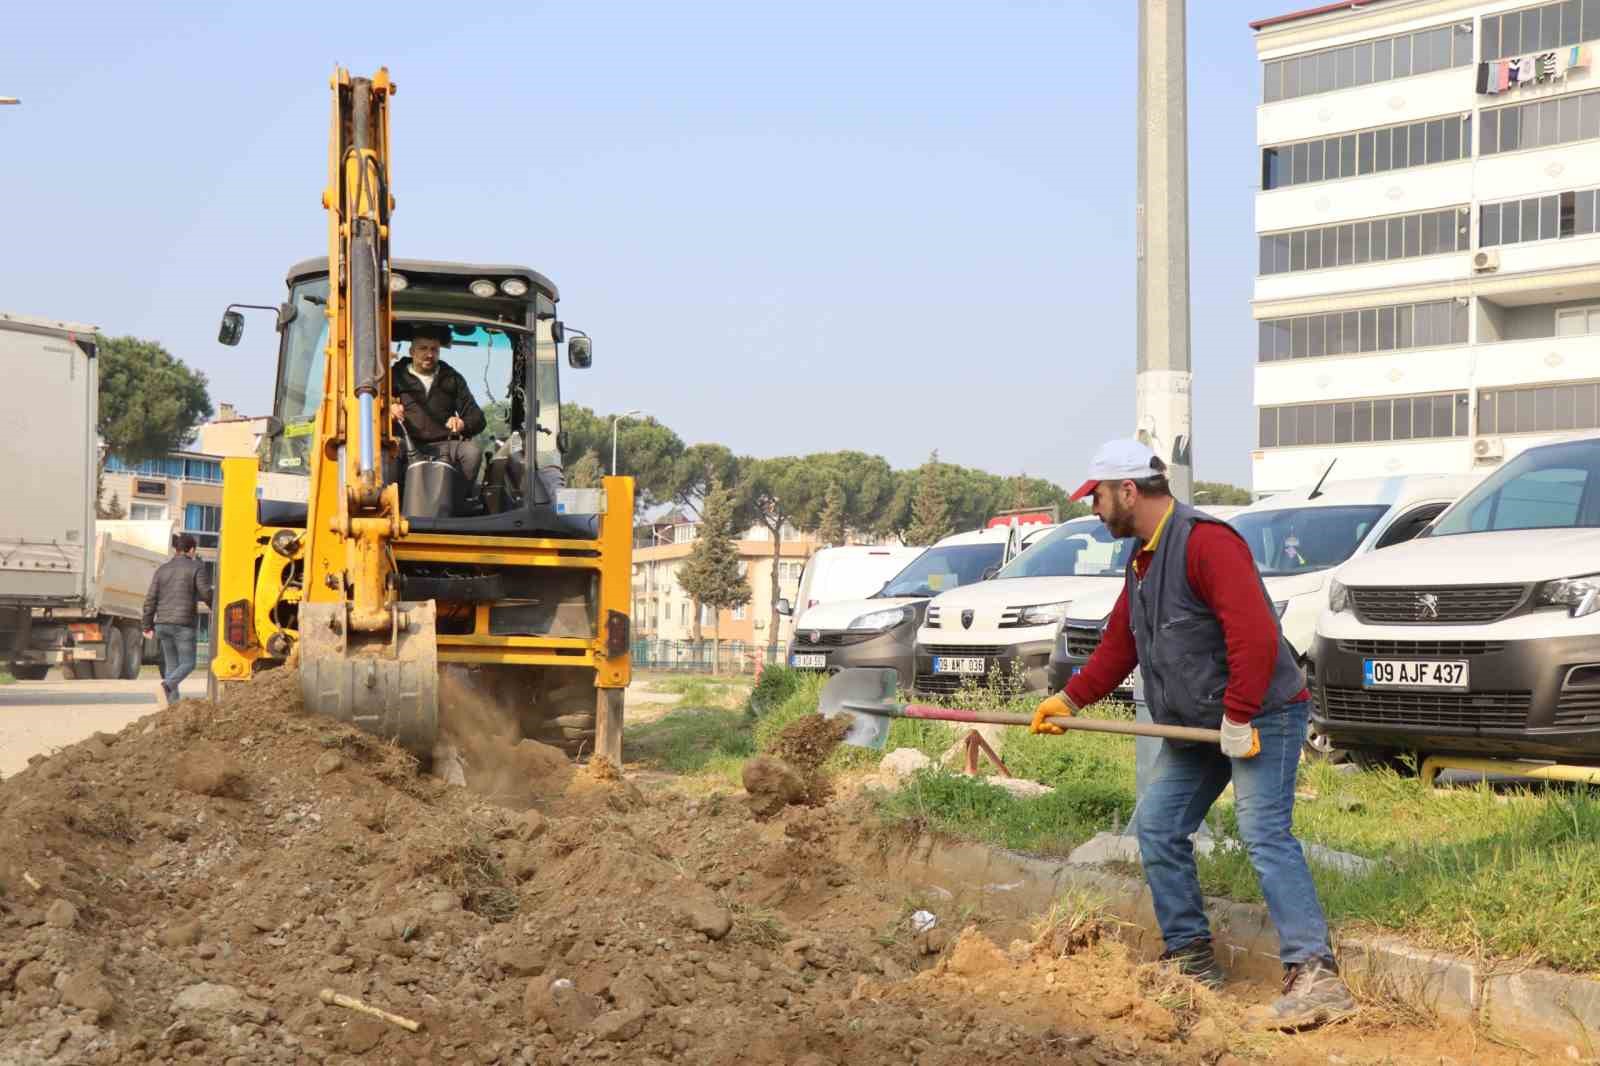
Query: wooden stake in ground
(336,999)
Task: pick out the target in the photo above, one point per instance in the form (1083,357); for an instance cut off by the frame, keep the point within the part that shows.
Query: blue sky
(789,227)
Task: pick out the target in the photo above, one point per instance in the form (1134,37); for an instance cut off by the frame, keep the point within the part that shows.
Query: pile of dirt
(184,892)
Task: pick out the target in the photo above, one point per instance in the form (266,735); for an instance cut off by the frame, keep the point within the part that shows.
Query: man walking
(170,612)
(1197,621)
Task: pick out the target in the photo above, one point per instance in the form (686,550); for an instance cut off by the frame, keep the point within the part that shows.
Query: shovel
(865,695)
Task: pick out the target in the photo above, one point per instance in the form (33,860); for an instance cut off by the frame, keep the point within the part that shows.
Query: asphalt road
(37,717)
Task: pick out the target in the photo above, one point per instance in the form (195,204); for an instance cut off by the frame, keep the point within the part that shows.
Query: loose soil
(183,892)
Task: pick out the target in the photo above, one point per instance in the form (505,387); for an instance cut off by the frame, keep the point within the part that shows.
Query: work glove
(1056,706)
(1240,740)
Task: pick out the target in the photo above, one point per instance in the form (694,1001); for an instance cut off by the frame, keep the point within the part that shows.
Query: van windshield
(1299,540)
(1553,487)
(942,569)
(1084,548)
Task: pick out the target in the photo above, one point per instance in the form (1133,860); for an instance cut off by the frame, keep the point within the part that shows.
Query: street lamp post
(614,418)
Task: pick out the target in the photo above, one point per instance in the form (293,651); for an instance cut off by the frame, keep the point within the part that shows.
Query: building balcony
(1407,99)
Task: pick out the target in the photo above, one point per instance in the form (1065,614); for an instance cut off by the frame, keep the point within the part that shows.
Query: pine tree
(1019,493)
(930,511)
(113,509)
(711,573)
(830,527)
(586,471)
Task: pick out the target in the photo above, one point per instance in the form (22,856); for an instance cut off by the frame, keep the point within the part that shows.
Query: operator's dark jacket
(178,586)
(428,410)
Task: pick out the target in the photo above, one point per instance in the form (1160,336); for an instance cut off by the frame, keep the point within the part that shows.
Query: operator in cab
(433,401)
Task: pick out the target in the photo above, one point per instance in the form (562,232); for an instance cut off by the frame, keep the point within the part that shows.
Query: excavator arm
(365,656)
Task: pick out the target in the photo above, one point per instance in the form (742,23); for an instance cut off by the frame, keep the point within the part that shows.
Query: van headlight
(882,620)
(1338,597)
(1043,614)
(1581,595)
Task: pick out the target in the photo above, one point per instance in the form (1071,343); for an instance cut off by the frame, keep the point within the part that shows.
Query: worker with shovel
(1197,621)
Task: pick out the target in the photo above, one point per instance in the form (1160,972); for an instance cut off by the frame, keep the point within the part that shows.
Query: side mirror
(579,353)
(274,427)
(785,608)
(232,328)
(563,442)
(990,572)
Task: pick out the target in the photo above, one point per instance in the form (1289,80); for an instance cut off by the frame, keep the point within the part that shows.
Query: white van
(852,572)
(1010,623)
(1483,636)
(1299,540)
(877,630)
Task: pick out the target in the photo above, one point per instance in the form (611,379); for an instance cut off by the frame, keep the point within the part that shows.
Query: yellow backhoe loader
(359,552)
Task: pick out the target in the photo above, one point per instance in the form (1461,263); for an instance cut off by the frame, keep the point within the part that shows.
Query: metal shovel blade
(860,685)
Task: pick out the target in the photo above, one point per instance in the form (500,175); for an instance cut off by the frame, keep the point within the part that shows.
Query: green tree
(698,468)
(1218,493)
(586,472)
(150,400)
(646,450)
(112,509)
(930,510)
(711,573)
(780,492)
(830,525)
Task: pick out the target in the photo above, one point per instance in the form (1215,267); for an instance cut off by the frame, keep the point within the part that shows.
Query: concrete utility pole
(8,100)
(1162,408)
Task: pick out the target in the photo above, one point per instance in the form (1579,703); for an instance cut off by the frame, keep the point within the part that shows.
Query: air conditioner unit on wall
(1488,450)
(1486,259)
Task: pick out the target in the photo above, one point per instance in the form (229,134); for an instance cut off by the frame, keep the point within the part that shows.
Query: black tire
(133,653)
(109,667)
(29,671)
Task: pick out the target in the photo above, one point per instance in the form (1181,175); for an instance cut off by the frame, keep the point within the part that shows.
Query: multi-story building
(182,487)
(662,610)
(1428,289)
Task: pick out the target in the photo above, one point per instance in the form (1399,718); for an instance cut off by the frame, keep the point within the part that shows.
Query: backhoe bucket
(386,683)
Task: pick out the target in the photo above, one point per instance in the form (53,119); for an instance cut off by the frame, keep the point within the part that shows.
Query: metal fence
(694,656)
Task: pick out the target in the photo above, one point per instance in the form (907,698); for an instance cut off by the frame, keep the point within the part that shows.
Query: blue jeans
(1187,782)
(177,655)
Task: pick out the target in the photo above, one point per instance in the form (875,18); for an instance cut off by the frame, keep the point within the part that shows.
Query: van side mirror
(785,608)
(990,572)
(232,328)
(579,353)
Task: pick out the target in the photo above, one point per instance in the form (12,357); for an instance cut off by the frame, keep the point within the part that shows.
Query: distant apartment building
(662,610)
(185,487)
(1428,288)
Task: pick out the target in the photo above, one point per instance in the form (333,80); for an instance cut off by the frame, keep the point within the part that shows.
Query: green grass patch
(972,808)
(6,678)
(702,690)
(709,742)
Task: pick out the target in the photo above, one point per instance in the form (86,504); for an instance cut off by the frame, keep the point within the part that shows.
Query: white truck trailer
(71,589)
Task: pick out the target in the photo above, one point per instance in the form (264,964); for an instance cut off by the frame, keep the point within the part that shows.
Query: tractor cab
(500,334)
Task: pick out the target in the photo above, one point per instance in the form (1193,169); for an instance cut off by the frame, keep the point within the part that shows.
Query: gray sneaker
(1196,960)
(1313,994)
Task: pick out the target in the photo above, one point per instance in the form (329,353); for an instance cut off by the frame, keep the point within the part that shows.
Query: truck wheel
(29,671)
(109,668)
(132,653)
(1319,748)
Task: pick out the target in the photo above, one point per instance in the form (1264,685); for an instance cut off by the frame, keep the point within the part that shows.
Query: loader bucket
(385,683)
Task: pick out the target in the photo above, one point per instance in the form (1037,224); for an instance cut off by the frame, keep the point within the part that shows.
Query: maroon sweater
(1223,574)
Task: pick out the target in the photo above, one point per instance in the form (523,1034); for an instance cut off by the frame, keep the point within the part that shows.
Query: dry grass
(106,820)
(756,925)
(1077,920)
(463,857)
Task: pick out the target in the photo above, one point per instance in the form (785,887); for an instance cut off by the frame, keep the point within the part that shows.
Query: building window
(147,512)
(1395,327)
(1538,218)
(1374,240)
(150,488)
(1378,60)
(1578,321)
(1443,140)
(683,614)
(1541,123)
(1388,418)
(738,613)
(1539,408)
(1540,28)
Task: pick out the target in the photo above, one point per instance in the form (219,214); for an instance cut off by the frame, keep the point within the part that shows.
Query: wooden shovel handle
(1090,725)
